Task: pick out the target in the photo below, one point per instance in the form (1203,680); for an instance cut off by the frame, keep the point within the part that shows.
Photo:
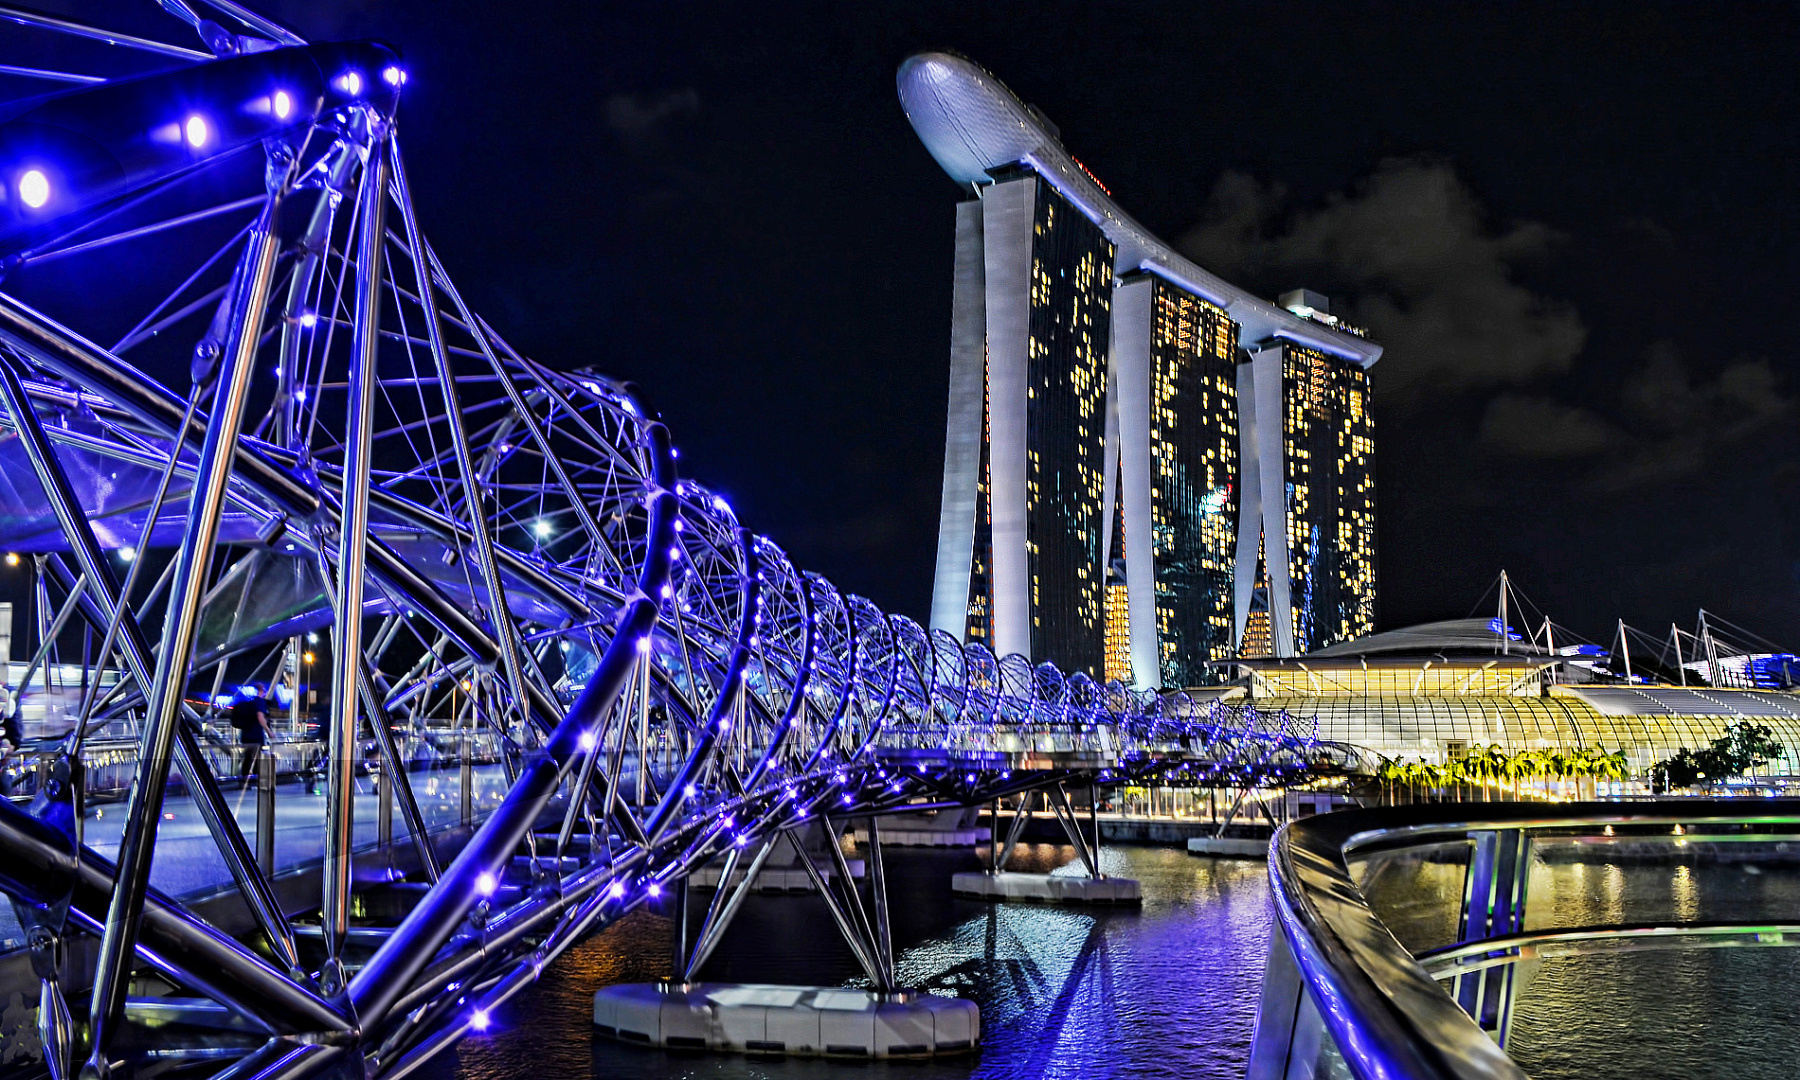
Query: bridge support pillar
(997,883)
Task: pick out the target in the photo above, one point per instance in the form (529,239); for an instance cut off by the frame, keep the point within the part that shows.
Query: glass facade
(1194,481)
(1118,598)
(1328,437)
(1259,631)
(981,595)
(1065,428)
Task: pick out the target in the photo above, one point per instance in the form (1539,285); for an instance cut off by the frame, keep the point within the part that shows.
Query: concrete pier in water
(1229,847)
(1045,888)
(804,1021)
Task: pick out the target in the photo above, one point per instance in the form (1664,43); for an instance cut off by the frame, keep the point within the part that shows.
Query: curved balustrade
(1401,931)
(228,349)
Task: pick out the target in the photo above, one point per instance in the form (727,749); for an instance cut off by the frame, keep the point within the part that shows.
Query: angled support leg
(194,562)
(719,917)
(353,525)
(1065,815)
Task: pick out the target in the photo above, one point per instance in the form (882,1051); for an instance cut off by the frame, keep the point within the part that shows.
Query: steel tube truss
(342,477)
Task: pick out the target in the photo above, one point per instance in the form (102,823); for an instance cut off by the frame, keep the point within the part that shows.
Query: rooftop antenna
(1712,649)
(1675,636)
(1505,638)
(1550,645)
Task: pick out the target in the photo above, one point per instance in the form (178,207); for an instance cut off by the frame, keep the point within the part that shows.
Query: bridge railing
(1400,931)
(109,764)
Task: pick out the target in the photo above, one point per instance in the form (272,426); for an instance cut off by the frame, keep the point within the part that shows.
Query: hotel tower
(1147,469)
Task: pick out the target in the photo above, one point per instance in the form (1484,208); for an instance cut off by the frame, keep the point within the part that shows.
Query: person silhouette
(250,715)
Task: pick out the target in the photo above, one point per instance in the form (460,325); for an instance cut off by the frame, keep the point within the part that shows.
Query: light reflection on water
(1169,990)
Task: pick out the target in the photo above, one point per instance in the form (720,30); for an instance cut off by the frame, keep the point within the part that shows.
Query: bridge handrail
(1337,971)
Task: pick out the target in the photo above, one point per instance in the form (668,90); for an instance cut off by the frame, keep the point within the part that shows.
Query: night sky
(1573,227)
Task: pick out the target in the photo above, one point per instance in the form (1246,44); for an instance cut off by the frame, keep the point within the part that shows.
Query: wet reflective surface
(1168,990)
(1674,1014)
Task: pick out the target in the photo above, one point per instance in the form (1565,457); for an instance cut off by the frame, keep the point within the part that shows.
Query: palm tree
(1512,766)
(1493,764)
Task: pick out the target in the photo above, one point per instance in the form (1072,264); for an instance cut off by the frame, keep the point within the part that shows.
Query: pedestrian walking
(250,715)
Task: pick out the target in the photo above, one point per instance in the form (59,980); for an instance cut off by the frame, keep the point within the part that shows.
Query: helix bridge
(245,405)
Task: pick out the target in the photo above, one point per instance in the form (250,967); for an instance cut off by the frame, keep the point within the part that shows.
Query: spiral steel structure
(226,345)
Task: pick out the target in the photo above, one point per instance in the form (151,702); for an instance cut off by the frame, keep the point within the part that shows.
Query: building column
(1007,215)
(1271,447)
(962,436)
(1131,318)
(1250,519)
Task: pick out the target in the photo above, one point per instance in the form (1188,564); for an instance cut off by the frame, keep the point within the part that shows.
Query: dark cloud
(1540,427)
(635,116)
(1669,424)
(1426,272)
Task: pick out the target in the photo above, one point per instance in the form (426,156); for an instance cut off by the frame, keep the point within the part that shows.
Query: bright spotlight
(34,188)
(312,639)
(350,82)
(479,1020)
(542,528)
(12,558)
(308,320)
(196,131)
(485,884)
(283,104)
(393,76)
(128,553)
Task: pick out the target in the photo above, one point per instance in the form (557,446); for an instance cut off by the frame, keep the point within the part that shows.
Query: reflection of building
(1103,458)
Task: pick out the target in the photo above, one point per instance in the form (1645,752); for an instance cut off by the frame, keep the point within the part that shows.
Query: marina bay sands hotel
(1146,467)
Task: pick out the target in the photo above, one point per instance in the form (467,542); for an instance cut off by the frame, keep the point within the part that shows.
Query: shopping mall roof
(1451,639)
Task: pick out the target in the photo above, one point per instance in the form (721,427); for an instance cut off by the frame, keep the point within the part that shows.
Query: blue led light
(350,82)
(393,76)
(196,131)
(34,188)
(282,104)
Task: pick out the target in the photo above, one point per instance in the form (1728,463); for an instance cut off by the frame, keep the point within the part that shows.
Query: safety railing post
(384,808)
(467,775)
(265,811)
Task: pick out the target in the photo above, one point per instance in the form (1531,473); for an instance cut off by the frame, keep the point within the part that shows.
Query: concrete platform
(892,837)
(1046,888)
(771,879)
(1228,847)
(802,1021)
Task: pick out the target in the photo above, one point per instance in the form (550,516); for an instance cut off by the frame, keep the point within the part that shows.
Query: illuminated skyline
(1038,485)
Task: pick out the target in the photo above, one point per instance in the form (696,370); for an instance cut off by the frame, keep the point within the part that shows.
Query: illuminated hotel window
(1118,603)
(1329,486)
(1194,489)
(1068,324)
(1259,632)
